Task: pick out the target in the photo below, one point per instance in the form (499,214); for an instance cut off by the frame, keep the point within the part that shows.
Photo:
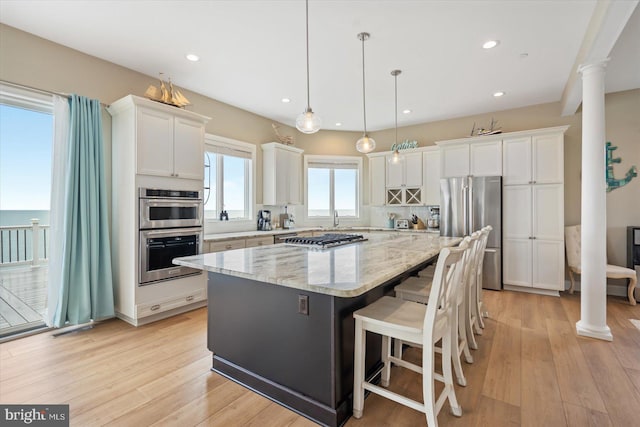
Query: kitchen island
(280,317)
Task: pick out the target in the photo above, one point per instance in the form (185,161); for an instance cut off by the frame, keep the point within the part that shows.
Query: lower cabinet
(230,244)
(534,263)
(155,307)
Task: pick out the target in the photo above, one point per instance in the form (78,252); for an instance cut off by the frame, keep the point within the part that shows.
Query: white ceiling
(253,52)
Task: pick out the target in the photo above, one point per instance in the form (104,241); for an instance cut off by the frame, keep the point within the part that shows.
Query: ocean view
(16,217)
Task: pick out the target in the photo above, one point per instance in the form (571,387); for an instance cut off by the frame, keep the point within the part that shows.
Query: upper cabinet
(475,158)
(431,176)
(168,141)
(534,159)
(282,174)
(377,181)
(405,173)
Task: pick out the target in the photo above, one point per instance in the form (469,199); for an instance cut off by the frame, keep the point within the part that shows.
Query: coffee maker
(264,220)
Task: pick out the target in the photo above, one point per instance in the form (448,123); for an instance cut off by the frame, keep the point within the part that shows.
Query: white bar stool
(417,324)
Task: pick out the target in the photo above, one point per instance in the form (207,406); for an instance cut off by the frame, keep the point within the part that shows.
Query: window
(228,178)
(333,185)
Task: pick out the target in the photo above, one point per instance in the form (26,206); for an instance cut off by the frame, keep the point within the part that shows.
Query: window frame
(327,161)
(226,146)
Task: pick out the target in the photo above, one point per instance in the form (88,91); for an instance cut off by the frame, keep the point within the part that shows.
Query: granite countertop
(254,233)
(343,271)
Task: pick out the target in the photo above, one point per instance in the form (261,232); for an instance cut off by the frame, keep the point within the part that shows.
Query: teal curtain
(86,288)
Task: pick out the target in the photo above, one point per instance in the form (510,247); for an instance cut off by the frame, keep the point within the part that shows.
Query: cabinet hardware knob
(155,307)
(190,298)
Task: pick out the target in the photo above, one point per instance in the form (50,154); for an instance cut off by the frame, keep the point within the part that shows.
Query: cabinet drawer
(258,241)
(226,245)
(143,310)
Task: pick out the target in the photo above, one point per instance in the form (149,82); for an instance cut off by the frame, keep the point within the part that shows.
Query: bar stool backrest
(445,287)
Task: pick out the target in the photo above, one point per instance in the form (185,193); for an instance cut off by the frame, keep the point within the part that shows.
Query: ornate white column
(593,281)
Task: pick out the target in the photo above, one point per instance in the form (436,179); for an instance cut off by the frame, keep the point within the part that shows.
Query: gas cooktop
(325,241)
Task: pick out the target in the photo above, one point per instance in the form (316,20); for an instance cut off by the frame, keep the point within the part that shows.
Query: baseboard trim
(536,291)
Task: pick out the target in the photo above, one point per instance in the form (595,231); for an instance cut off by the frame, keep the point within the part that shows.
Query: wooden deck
(23,296)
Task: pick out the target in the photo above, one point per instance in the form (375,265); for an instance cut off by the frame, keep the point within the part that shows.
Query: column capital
(590,67)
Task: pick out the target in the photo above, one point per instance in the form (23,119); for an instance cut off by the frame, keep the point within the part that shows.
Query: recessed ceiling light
(490,44)
(498,94)
(193,57)
(338,123)
(406,111)
(286,100)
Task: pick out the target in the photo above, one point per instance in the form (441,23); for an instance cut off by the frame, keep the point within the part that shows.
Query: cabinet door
(548,211)
(282,177)
(226,245)
(377,180)
(548,264)
(431,177)
(516,161)
(485,158)
(548,159)
(253,242)
(516,262)
(155,143)
(294,194)
(454,160)
(395,173)
(413,170)
(516,212)
(188,149)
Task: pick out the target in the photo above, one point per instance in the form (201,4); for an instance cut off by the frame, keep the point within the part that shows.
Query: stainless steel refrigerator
(467,204)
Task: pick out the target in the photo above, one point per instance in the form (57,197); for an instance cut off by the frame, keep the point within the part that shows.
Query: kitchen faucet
(336,221)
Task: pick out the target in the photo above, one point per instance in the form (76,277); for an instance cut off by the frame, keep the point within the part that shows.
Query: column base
(585,330)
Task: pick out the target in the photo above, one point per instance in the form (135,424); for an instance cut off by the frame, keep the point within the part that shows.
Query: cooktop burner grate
(328,240)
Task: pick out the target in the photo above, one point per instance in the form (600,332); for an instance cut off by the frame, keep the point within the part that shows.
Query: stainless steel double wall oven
(170,225)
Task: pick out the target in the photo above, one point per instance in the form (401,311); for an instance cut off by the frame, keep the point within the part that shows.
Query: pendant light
(308,122)
(364,144)
(395,157)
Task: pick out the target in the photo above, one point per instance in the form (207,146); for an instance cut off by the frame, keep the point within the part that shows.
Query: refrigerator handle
(470,218)
(465,209)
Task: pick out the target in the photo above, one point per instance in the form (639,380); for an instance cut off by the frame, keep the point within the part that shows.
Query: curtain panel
(84,280)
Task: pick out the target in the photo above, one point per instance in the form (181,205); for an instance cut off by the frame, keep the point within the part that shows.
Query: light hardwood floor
(531,370)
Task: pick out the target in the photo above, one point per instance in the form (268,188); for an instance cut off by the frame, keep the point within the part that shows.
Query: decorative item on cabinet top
(283,139)
(170,96)
(482,131)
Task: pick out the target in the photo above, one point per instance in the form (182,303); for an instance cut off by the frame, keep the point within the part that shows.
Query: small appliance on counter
(402,224)
(434,219)
(264,220)
(286,220)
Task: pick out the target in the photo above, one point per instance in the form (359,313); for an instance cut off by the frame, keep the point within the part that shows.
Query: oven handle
(172,232)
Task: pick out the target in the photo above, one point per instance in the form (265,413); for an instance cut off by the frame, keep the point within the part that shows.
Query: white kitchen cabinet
(377,184)
(454,160)
(153,145)
(282,174)
(533,211)
(475,158)
(536,159)
(431,176)
(485,158)
(405,173)
(169,145)
(404,180)
(533,227)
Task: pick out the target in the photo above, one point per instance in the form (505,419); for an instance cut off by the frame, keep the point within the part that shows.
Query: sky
(26,138)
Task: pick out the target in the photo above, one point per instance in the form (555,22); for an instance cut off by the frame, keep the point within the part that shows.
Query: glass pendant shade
(366,144)
(396,158)
(308,122)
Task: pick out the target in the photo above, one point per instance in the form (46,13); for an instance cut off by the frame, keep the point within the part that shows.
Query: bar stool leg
(386,369)
(447,373)
(358,369)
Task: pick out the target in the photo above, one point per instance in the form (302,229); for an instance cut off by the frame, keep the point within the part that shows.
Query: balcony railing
(24,244)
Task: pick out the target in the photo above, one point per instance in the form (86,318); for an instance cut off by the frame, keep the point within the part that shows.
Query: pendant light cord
(307,21)
(364,102)
(396,116)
